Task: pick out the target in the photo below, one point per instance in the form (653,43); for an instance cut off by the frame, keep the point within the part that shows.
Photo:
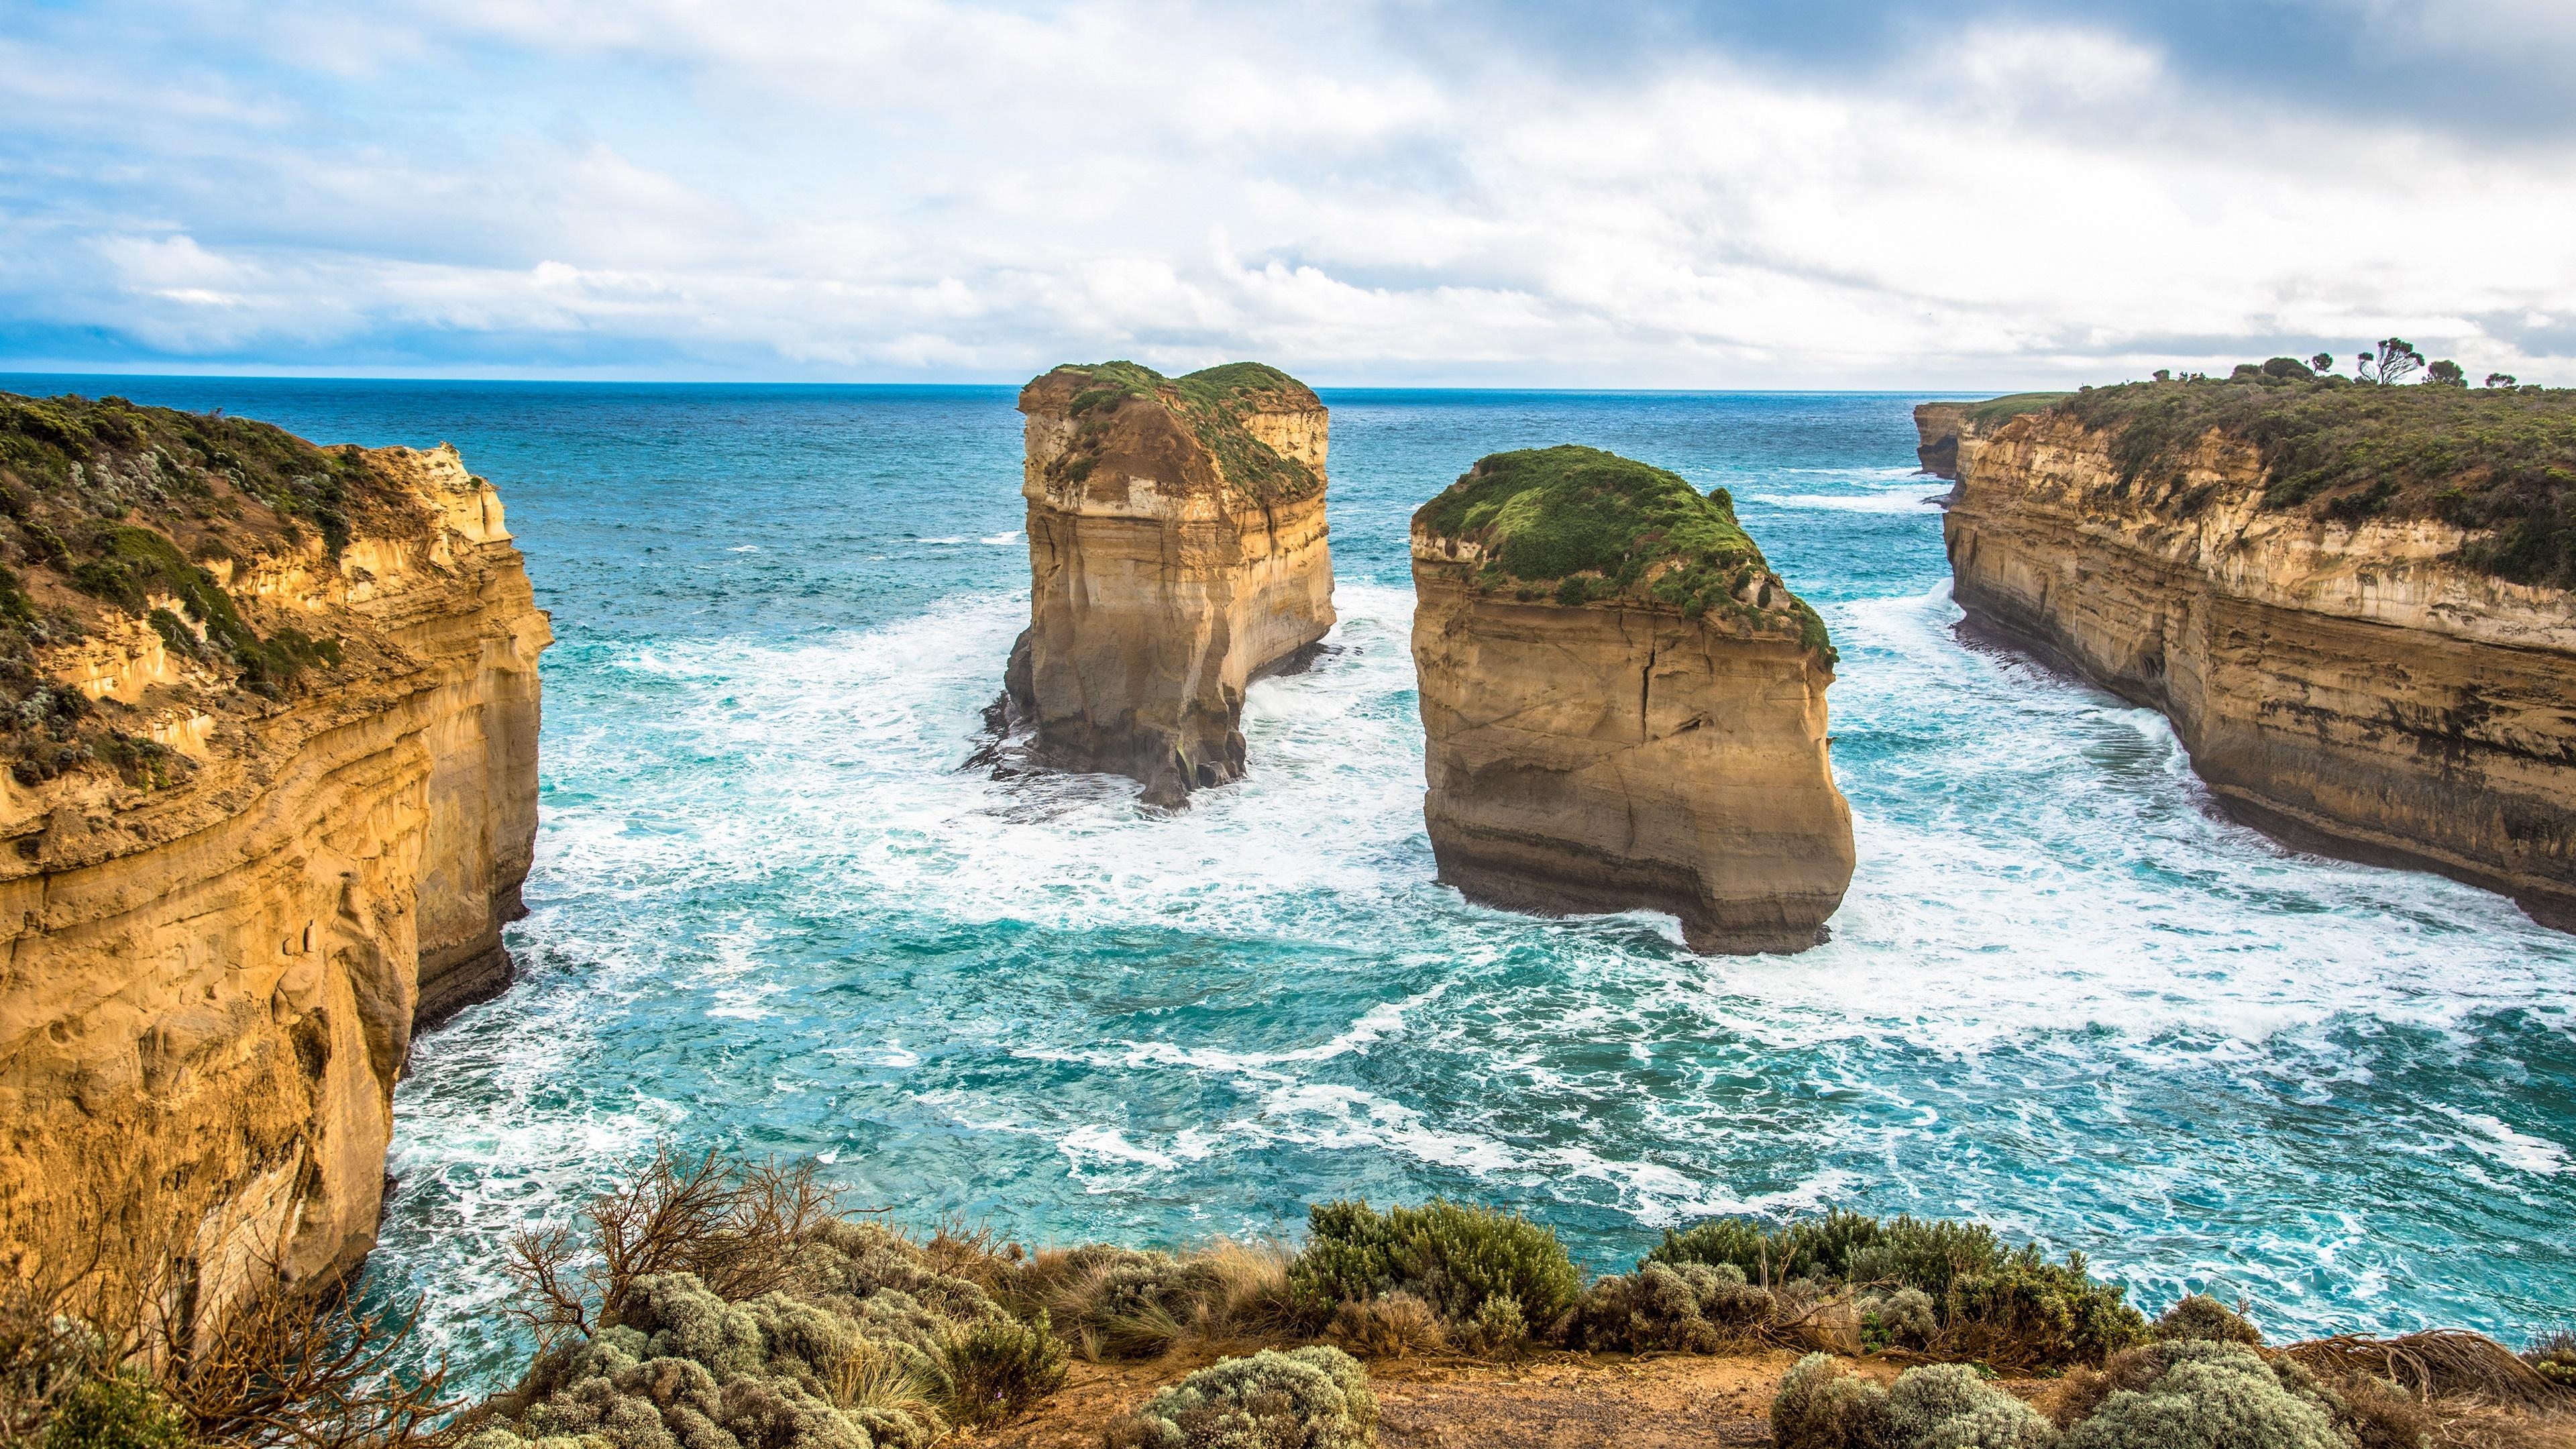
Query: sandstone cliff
(1177,551)
(1952,432)
(273,716)
(1623,706)
(2350,670)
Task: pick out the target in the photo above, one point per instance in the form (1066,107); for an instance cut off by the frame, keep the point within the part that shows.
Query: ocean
(770,912)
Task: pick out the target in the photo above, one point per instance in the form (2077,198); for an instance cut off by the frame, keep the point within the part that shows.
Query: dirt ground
(1553,1401)
(1568,1401)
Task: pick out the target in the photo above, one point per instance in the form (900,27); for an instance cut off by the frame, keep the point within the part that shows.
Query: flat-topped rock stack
(1177,551)
(1624,707)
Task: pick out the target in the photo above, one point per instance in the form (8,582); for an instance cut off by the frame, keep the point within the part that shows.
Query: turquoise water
(768,910)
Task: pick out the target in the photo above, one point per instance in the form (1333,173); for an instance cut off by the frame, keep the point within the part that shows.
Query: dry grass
(1398,1325)
(2444,1363)
(735,1225)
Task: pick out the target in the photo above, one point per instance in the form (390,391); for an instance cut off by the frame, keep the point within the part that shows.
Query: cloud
(1951,194)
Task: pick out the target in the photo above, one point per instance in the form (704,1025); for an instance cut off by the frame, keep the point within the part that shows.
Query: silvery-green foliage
(2214,1395)
(1819,1406)
(1902,1317)
(2203,1317)
(1307,1398)
(689,1370)
(1947,1406)
(1683,1308)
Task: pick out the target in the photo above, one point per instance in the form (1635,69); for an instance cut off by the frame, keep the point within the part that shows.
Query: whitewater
(771,912)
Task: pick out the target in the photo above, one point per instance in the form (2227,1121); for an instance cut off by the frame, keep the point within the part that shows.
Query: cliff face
(1647,731)
(1177,550)
(271,829)
(2351,684)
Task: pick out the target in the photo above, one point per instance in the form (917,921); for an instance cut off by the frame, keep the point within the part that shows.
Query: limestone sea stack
(1624,707)
(270,743)
(2352,601)
(1177,551)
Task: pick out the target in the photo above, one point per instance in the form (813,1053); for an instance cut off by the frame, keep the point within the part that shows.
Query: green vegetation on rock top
(2500,461)
(1998,410)
(1212,404)
(106,506)
(1595,525)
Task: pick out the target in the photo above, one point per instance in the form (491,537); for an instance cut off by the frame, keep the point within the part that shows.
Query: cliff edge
(271,738)
(1177,550)
(1624,707)
(2352,601)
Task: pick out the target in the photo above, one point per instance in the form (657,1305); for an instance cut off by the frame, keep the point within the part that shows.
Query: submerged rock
(1624,707)
(1177,551)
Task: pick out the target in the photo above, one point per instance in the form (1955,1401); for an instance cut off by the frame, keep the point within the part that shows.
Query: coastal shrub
(2199,1316)
(2498,461)
(1113,1302)
(1685,1308)
(1397,1325)
(1210,404)
(989,1369)
(1307,1398)
(119,1411)
(1456,1258)
(1987,1301)
(1946,1406)
(2199,1394)
(1900,1318)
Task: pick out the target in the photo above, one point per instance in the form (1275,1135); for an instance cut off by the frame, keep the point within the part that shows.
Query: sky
(1954,194)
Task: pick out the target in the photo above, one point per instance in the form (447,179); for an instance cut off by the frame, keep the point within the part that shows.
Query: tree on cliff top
(2394,362)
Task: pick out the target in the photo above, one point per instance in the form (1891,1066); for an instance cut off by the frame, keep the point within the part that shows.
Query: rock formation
(1952,432)
(1177,551)
(272,736)
(2338,594)
(1624,707)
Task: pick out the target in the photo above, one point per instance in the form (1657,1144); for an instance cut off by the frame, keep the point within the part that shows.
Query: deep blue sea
(769,910)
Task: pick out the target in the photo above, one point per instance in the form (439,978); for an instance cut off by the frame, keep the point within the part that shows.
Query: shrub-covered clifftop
(2500,461)
(1213,405)
(111,510)
(1577,524)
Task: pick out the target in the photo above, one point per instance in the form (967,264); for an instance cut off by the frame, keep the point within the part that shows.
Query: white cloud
(919,188)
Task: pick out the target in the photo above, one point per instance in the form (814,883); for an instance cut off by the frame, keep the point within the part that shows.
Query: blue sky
(1955,193)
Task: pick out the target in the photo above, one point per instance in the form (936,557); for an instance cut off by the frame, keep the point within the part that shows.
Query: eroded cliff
(273,724)
(1623,706)
(1177,550)
(2349,600)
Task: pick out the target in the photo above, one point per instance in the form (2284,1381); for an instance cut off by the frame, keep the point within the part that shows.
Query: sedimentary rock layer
(2353,686)
(1177,550)
(1645,729)
(306,804)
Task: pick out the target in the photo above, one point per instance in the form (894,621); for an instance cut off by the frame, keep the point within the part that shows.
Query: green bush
(1945,1406)
(1458,1259)
(2012,1306)
(2213,1396)
(1897,1318)
(992,1368)
(1685,1308)
(2199,1316)
(123,1412)
(1307,1398)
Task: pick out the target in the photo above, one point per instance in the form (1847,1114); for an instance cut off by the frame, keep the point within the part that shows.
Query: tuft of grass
(2499,461)
(1210,405)
(1577,524)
